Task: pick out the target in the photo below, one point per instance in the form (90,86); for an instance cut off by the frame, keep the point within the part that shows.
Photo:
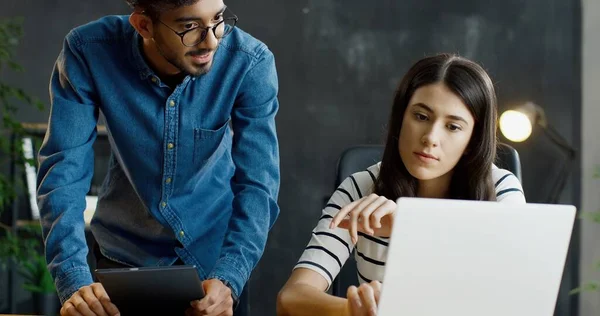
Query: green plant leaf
(4,54)
(11,100)
(24,248)
(39,105)
(592,216)
(587,287)
(32,288)
(14,66)
(7,192)
(33,268)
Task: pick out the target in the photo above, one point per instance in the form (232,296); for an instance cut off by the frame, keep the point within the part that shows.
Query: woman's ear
(142,24)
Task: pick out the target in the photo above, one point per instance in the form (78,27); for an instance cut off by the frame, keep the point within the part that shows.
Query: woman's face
(436,129)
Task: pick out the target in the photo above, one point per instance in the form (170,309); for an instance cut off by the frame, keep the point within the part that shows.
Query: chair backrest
(360,157)
(508,158)
(357,158)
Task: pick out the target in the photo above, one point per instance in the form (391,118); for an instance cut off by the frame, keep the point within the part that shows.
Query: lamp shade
(517,124)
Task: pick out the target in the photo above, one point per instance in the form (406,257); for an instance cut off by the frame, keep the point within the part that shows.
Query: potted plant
(25,250)
(21,246)
(10,99)
(590,286)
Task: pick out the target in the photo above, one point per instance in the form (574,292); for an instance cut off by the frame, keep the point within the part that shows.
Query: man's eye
(190,26)
(218,18)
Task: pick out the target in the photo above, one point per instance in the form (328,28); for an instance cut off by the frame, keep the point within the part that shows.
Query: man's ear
(142,24)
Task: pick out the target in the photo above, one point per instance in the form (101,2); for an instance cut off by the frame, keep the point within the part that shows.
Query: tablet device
(165,289)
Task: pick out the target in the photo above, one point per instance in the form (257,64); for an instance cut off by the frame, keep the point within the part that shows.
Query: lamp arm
(564,172)
(560,141)
(561,181)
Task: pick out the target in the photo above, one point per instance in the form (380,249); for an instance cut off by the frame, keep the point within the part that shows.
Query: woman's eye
(218,17)
(454,127)
(420,117)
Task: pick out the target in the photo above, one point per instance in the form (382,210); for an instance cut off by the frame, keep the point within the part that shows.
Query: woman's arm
(326,253)
(304,294)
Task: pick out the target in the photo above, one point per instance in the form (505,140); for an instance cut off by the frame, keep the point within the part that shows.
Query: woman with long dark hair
(441,143)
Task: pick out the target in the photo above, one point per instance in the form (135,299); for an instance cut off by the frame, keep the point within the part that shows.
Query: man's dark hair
(154,8)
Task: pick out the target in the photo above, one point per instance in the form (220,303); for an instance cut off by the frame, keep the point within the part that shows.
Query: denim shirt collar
(138,59)
(140,62)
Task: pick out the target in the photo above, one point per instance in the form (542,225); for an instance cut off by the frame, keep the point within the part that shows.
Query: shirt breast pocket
(210,144)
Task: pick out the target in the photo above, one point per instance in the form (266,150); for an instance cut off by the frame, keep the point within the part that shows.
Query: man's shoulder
(107,28)
(240,41)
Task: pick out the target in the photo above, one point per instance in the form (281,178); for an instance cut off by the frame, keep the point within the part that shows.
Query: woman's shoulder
(507,186)
(367,176)
(362,182)
(499,174)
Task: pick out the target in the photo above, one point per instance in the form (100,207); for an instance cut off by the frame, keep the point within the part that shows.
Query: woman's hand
(363,301)
(372,214)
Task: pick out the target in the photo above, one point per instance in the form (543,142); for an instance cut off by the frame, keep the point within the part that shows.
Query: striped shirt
(329,249)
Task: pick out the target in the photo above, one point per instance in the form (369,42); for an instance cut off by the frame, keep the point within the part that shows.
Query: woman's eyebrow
(453,117)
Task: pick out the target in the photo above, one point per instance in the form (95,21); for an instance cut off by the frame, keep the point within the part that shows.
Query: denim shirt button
(170,145)
(172,103)
(163,204)
(168,180)
(154,79)
(181,233)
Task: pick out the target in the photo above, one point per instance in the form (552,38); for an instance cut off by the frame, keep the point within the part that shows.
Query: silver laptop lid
(469,258)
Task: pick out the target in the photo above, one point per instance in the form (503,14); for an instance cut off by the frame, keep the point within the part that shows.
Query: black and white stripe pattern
(329,249)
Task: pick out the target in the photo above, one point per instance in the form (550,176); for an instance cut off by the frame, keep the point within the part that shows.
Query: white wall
(590,129)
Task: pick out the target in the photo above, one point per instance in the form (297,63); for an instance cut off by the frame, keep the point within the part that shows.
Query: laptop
(474,258)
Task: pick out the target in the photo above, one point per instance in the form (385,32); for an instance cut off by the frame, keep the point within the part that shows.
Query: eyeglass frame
(234,18)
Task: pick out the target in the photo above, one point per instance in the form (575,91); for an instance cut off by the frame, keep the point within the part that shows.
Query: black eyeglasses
(195,36)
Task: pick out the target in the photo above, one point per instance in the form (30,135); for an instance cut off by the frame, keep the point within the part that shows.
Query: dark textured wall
(339,63)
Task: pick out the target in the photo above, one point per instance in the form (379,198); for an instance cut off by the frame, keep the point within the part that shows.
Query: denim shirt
(194,170)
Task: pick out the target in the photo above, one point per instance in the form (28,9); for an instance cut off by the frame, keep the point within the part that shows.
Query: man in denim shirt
(189,102)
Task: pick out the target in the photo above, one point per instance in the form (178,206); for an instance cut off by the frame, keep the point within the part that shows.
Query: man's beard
(200,69)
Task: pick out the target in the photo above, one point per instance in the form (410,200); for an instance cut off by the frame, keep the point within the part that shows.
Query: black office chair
(359,158)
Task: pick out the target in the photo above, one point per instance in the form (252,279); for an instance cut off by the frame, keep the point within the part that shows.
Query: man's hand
(372,214)
(363,301)
(216,302)
(89,300)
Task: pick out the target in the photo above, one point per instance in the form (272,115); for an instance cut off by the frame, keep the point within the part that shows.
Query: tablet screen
(166,289)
